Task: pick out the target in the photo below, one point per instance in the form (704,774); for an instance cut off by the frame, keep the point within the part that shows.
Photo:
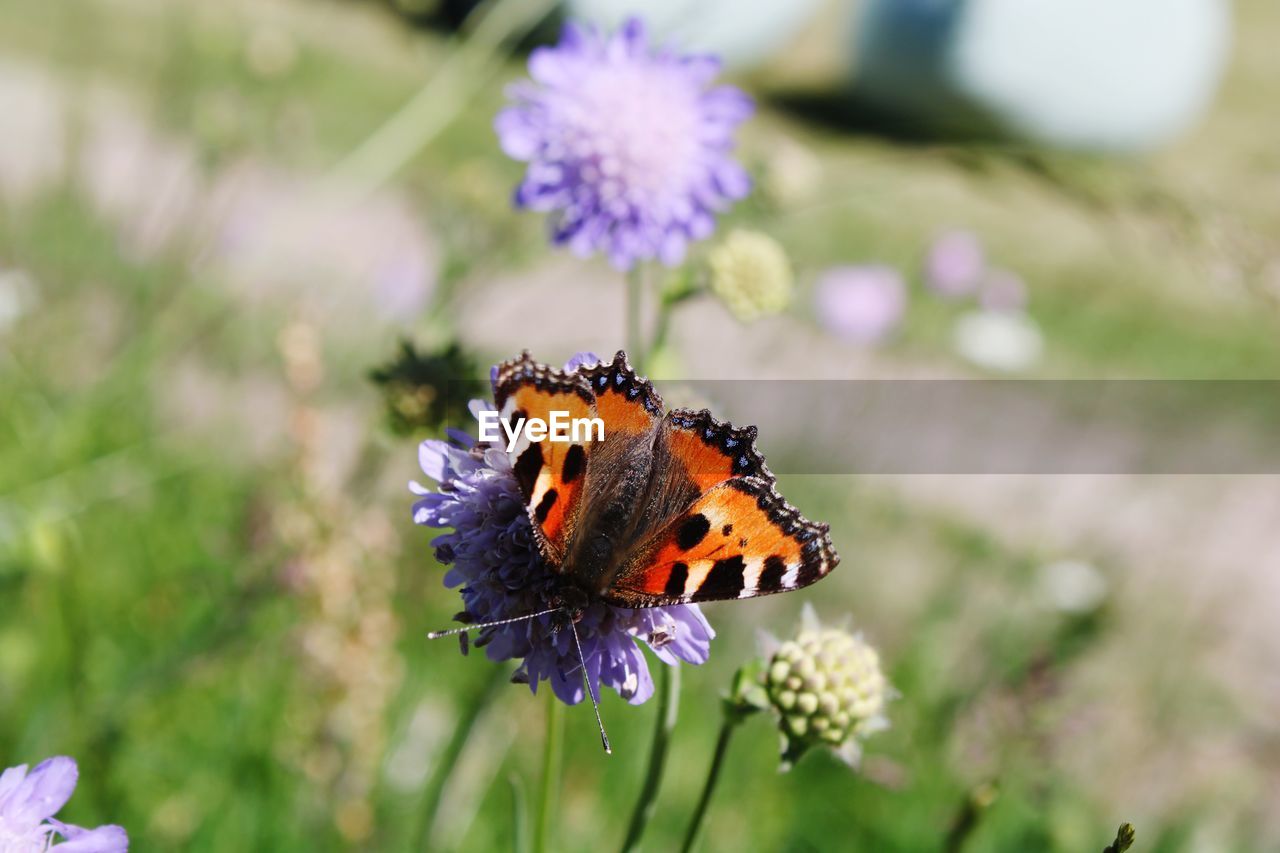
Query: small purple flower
(492,556)
(28,802)
(955,264)
(863,304)
(628,146)
(1003,291)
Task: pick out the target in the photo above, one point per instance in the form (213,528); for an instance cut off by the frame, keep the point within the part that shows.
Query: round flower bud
(827,688)
(751,274)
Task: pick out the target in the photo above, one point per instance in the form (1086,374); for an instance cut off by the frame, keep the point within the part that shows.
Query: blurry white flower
(1009,342)
(1071,586)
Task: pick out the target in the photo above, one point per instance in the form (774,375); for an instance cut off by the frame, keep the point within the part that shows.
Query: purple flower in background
(492,556)
(1003,291)
(28,802)
(863,304)
(955,264)
(628,146)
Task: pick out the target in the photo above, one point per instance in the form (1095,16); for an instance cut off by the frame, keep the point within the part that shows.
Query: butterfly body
(671,507)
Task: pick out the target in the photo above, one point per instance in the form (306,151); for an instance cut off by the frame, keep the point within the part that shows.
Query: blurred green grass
(147,629)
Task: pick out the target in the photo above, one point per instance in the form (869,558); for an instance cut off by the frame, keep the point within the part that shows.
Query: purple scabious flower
(28,802)
(1003,291)
(863,304)
(492,556)
(955,264)
(628,146)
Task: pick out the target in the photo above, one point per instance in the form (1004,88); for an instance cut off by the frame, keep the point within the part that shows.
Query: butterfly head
(570,601)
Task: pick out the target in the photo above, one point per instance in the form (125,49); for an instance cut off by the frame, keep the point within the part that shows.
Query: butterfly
(671,507)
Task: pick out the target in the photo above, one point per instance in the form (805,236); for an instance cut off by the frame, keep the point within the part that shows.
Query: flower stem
(668,710)
(452,751)
(519,815)
(713,775)
(550,784)
(635,305)
(975,805)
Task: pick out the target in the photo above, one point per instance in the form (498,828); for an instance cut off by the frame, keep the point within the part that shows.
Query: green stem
(519,815)
(668,710)
(551,749)
(713,775)
(975,805)
(680,290)
(467,68)
(635,304)
(435,787)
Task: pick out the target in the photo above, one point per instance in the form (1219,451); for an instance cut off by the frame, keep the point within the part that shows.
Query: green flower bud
(828,689)
(778,672)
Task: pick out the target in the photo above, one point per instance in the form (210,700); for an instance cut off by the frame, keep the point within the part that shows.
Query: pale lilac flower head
(863,304)
(955,264)
(628,145)
(28,802)
(1003,291)
(492,556)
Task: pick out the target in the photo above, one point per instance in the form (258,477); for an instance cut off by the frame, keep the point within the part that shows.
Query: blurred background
(220,219)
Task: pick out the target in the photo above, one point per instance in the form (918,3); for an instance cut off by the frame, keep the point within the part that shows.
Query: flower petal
(9,781)
(45,790)
(104,839)
(620,137)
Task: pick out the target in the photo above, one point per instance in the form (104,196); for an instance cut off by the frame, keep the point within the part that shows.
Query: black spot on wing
(545,505)
(575,460)
(813,560)
(726,530)
(527,468)
(692,531)
(771,575)
(676,580)
(725,580)
(817,555)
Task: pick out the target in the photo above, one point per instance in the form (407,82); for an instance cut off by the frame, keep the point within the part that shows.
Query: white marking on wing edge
(751,577)
(790,576)
(698,571)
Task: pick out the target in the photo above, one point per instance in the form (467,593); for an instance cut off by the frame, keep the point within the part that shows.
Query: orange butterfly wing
(718,527)
(708,451)
(627,403)
(740,539)
(550,473)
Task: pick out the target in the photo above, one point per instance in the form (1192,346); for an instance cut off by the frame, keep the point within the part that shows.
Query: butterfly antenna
(476,626)
(586,679)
